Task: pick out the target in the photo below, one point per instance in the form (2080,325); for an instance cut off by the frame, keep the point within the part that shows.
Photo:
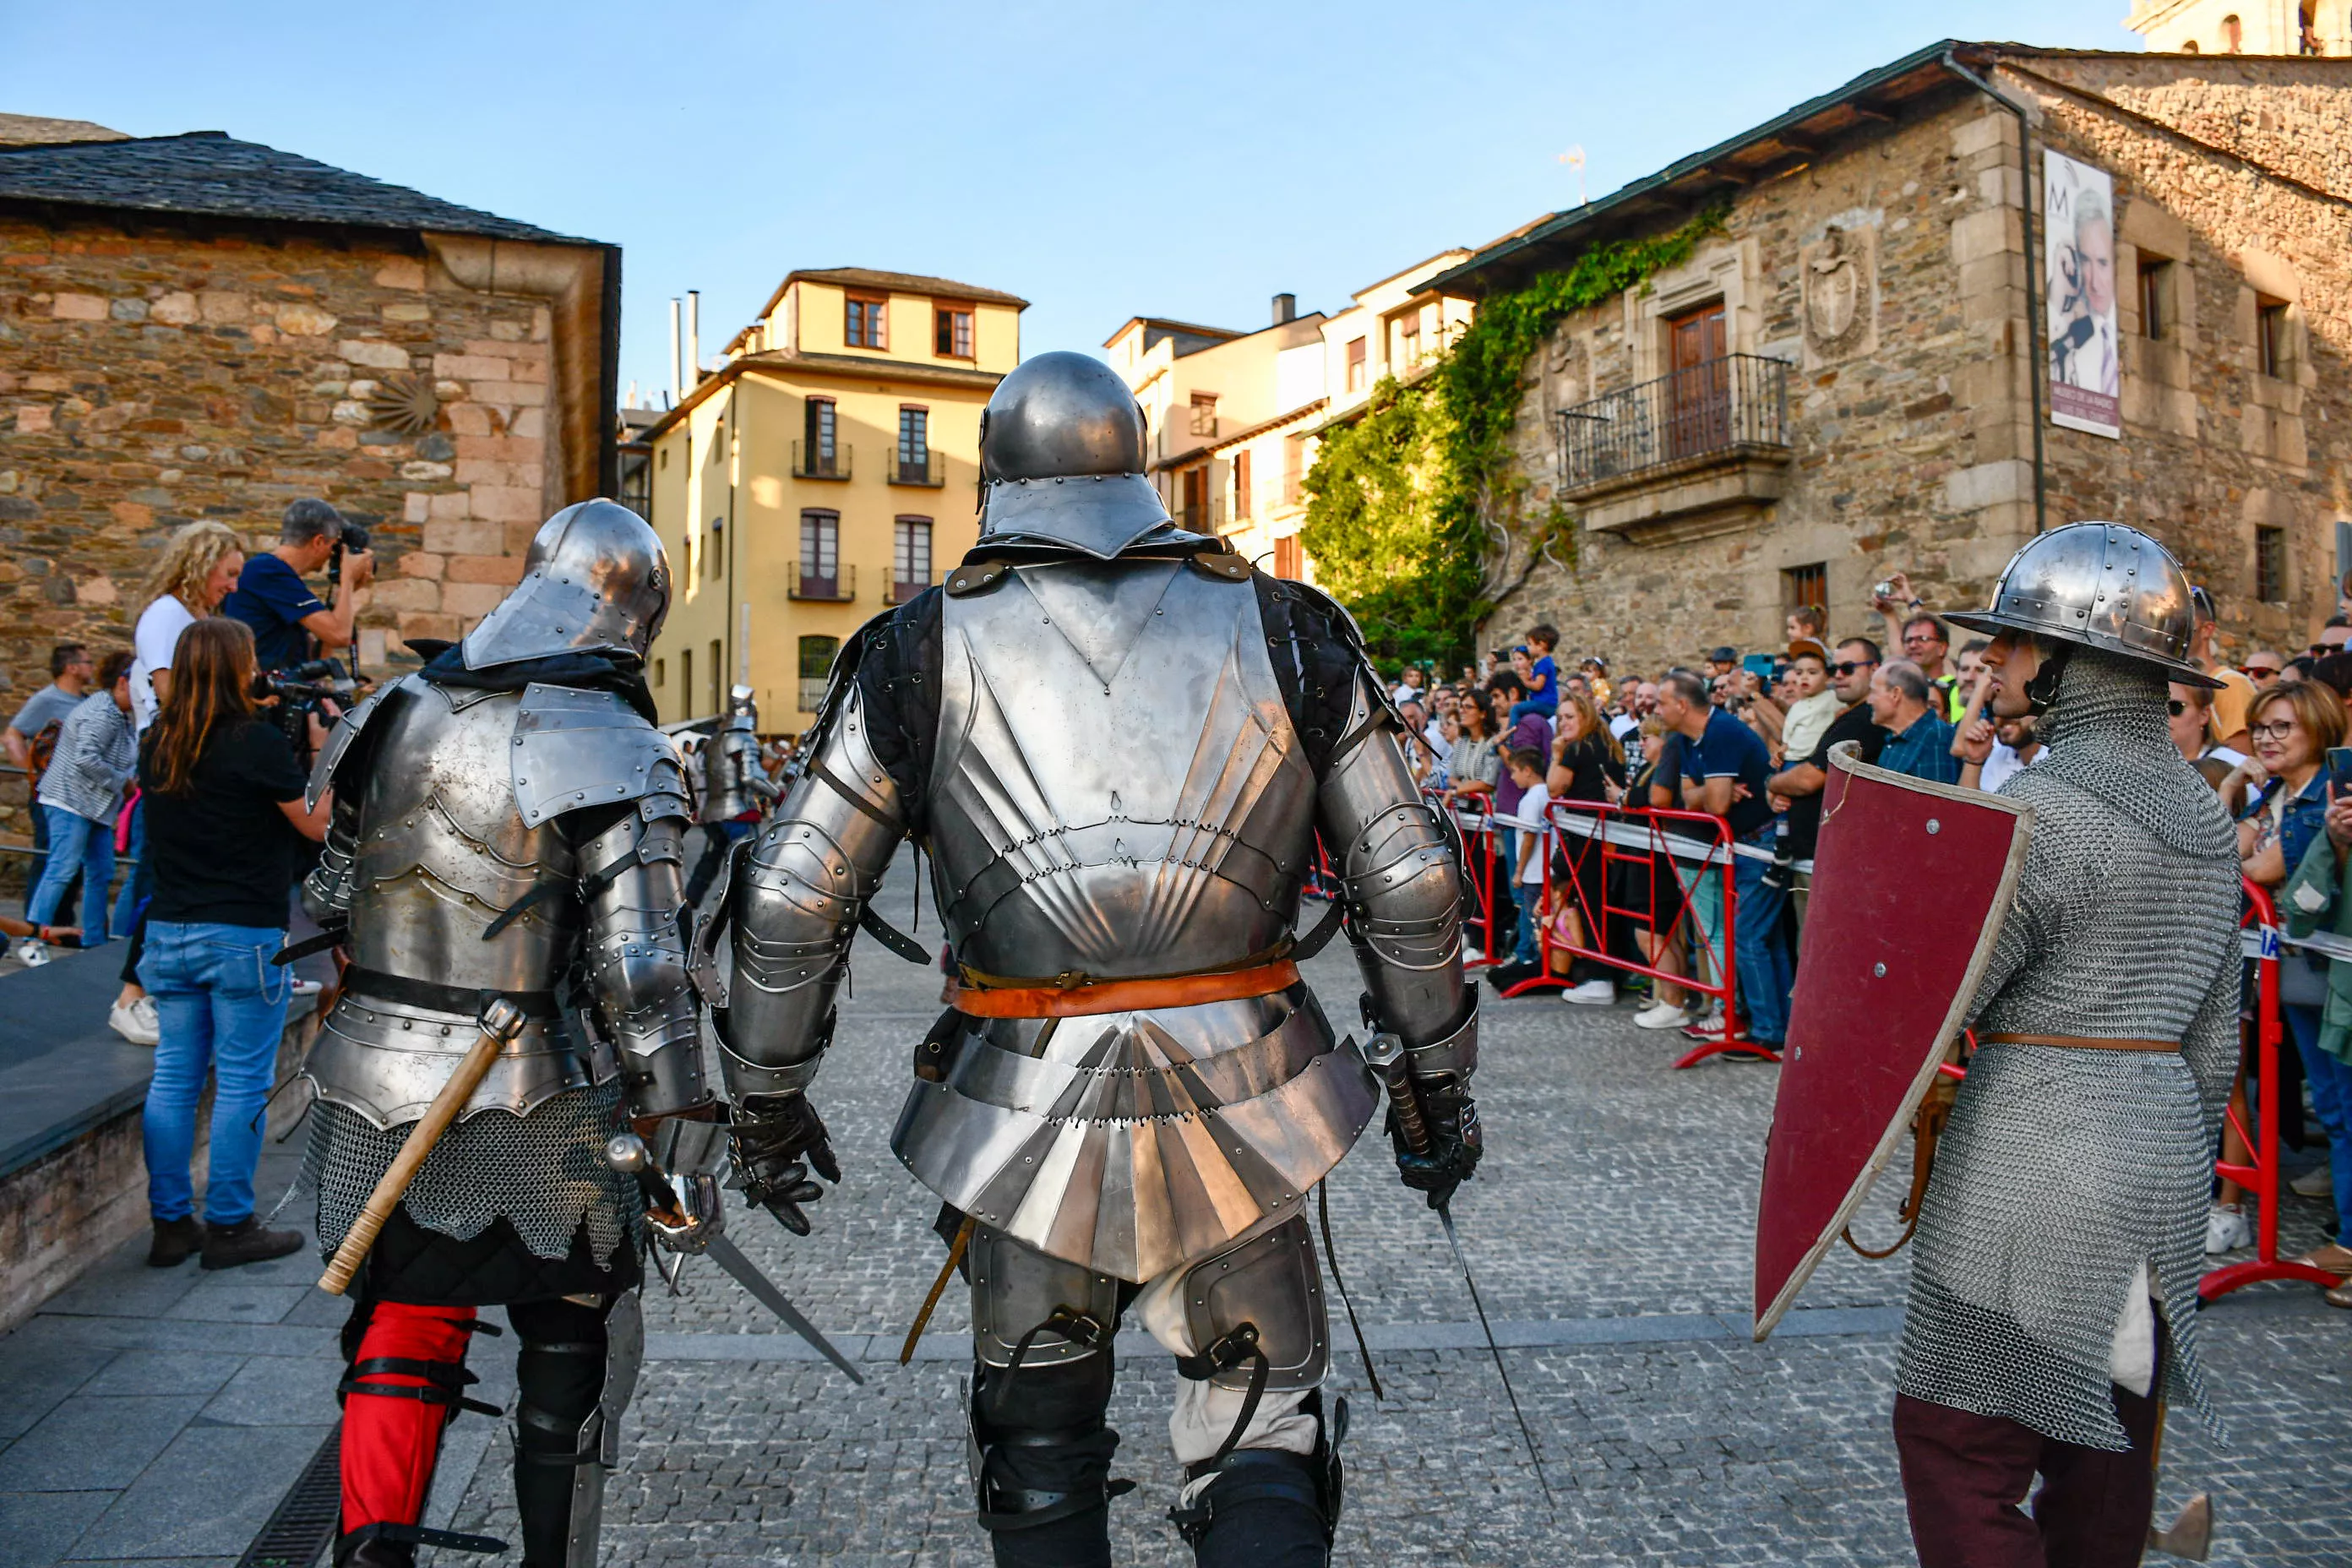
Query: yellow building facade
(828,470)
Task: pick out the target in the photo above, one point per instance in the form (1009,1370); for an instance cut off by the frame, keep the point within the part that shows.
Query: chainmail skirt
(544,1174)
(2060,1172)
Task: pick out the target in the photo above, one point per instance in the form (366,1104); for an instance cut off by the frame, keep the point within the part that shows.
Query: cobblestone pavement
(1610,1227)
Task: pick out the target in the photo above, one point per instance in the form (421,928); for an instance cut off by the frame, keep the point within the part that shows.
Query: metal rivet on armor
(1934,826)
(1878,969)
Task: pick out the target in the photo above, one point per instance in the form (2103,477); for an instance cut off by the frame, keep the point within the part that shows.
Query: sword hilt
(1384,1054)
(627,1153)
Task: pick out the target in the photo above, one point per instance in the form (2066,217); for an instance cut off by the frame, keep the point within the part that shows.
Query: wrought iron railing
(898,590)
(1720,405)
(821,460)
(838,586)
(924,468)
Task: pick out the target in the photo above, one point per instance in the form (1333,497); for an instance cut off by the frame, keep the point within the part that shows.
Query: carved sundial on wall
(404,404)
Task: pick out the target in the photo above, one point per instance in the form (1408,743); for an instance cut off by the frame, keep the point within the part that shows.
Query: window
(1290,558)
(2154,297)
(820,455)
(718,676)
(2270,336)
(862,321)
(1355,365)
(820,564)
(816,662)
(953,330)
(2234,35)
(1242,485)
(1294,468)
(2306,28)
(714,555)
(661,672)
(910,558)
(915,445)
(1193,484)
(665,457)
(1205,413)
(1409,340)
(2270,565)
(1805,585)
(686,680)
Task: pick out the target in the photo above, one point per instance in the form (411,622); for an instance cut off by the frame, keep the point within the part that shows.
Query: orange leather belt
(2083,1043)
(1082,999)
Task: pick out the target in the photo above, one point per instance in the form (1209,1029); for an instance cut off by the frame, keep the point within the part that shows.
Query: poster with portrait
(2086,374)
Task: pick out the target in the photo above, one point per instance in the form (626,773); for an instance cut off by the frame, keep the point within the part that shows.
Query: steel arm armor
(1401,881)
(797,901)
(327,890)
(635,956)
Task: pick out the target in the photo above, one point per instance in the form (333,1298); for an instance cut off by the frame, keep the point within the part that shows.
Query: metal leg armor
(1041,1451)
(575,1372)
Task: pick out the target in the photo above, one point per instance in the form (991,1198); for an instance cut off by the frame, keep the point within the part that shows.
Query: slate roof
(212,174)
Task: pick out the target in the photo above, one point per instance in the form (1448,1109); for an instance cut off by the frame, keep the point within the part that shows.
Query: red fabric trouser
(1965,1478)
(389,1442)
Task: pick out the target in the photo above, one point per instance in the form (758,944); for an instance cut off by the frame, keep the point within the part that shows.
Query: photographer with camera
(290,625)
(225,818)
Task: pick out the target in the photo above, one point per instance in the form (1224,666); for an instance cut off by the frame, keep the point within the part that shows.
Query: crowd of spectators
(1746,739)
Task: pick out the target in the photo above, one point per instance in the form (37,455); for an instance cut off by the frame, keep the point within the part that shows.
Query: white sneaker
(32,952)
(1662,1015)
(1591,993)
(2319,1182)
(2227,1229)
(136,1021)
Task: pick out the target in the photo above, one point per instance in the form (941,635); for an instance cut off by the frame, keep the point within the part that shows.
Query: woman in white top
(199,565)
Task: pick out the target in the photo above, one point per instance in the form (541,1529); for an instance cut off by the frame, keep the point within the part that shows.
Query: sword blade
(729,1256)
(1445,1219)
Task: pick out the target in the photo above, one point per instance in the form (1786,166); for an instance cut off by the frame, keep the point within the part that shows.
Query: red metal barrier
(1479,870)
(1641,837)
(2262,1177)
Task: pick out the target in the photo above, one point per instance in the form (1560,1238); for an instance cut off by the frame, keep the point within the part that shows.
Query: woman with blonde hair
(199,565)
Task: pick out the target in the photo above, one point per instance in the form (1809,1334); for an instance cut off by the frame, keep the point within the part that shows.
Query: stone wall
(1913,434)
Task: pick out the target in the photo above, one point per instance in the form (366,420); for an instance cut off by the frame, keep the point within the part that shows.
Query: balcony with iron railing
(899,589)
(835,585)
(822,460)
(1708,444)
(923,467)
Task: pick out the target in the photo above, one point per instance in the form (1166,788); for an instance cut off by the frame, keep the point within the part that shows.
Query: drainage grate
(307,1515)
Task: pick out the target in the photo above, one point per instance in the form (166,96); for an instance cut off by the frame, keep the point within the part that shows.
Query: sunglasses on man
(1848,666)
(2258,670)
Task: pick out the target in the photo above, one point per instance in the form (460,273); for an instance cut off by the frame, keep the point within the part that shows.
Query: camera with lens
(350,536)
(299,690)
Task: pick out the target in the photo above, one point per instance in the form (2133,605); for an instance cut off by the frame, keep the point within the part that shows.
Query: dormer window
(863,319)
(952,331)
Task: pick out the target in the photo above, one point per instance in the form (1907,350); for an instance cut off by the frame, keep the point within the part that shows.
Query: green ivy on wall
(1406,506)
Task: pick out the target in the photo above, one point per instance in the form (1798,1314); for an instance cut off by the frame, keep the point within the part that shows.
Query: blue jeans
(2330,1082)
(1768,971)
(222,1006)
(75,841)
(1525,705)
(133,893)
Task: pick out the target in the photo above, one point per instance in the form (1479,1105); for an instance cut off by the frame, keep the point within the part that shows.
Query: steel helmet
(2099,585)
(596,578)
(1063,457)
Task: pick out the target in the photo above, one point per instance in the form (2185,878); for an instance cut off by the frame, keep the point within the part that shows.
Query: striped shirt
(97,754)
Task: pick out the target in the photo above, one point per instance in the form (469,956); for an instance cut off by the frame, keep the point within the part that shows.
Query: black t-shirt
(1805,810)
(1591,769)
(223,851)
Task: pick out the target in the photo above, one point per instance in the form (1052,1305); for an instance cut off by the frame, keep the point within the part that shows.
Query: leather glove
(778,1139)
(1455,1141)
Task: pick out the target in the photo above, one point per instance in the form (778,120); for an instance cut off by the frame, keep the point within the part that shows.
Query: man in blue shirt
(289,623)
(1726,769)
(1918,739)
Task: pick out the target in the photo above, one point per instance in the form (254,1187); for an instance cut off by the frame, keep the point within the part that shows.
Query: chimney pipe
(1285,308)
(694,336)
(677,376)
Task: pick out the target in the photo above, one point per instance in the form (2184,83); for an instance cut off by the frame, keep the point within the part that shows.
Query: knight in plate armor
(508,824)
(735,788)
(2053,1293)
(1120,745)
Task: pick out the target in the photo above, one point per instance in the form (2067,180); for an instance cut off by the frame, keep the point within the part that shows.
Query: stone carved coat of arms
(1840,289)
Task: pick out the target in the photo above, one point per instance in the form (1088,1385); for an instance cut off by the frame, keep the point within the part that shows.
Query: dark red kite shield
(1910,882)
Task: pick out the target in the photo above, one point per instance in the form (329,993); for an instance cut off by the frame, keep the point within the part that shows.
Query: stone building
(198,327)
(1853,376)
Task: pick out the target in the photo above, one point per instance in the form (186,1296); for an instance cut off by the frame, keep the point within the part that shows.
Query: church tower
(2244,26)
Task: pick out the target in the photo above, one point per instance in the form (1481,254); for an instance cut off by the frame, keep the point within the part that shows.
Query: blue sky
(1186,159)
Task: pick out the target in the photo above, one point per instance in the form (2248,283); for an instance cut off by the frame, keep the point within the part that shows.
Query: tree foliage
(1414,516)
